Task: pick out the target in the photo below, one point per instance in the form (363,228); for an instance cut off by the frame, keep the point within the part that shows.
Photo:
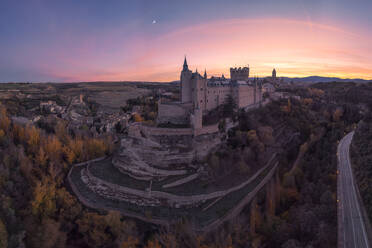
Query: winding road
(351,228)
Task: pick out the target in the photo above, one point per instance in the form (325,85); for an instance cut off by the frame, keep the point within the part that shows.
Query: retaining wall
(206,130)
(177,199)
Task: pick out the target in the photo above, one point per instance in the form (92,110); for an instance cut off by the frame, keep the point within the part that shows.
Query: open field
(110,96)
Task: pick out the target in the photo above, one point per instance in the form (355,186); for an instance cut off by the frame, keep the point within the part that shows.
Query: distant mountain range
(318,79)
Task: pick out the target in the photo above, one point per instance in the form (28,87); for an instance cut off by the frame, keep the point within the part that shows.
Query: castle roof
(185,66)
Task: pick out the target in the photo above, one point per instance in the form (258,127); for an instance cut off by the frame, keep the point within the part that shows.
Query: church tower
(274,74)
(186,75)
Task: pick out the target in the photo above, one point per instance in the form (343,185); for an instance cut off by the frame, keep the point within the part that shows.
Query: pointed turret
(205,73)
(185,66)
(185,79)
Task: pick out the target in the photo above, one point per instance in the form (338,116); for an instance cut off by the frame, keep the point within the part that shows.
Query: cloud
(290,45)
(294,47)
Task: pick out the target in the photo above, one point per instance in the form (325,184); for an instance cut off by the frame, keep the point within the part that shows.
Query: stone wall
(153,197)
(148,131)
(137,129)
(245,95)
(206,130)
(175,113)
(216,95)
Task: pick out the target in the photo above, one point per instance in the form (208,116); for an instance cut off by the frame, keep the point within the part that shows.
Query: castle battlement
(239,73)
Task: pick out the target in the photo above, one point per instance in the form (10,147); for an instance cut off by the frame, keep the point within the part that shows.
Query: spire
(185,66)
(205,73)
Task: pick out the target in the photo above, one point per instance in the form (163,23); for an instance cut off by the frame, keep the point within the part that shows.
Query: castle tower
(197,84)
(185,80)
(274,73)
(239,73)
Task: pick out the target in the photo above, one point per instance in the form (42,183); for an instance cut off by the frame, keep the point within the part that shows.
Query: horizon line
(171,81)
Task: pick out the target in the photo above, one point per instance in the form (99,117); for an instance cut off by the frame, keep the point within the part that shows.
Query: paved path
(351,229)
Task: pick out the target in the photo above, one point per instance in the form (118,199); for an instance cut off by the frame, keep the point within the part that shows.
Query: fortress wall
(157,131)
(173,113)
(207,130)
(148,131)
(198,92)
(172,199)
(245,96)
(216,95)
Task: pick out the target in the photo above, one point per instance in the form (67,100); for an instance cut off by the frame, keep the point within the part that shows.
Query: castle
(199,95)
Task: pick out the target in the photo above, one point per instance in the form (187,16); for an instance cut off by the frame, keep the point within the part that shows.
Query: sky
(146,40)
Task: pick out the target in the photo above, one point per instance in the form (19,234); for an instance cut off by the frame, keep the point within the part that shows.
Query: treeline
(36,208)
(361,156)
(361,150)
(306,215)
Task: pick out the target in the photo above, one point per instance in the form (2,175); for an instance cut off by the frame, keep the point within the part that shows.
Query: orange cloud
(294,47)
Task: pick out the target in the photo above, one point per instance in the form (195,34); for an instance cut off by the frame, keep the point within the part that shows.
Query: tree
(292,243)
(124,232)
(93,228)
(287,108)
(214,165)
(337,114)
(61,131)
(4,119)
(33,139)
(48,235)
(44,198)
(254,142)
(53,149)
(242,167)
(137,117)
(95,148)
(69,207)
(41,158)
(3,235)
(76,146)
(19,134)
(229,107)
(266,134)
(153,244)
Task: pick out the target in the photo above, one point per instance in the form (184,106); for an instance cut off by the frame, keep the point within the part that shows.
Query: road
(351,228)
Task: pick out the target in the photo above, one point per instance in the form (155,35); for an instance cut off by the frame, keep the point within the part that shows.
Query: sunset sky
(146,40)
